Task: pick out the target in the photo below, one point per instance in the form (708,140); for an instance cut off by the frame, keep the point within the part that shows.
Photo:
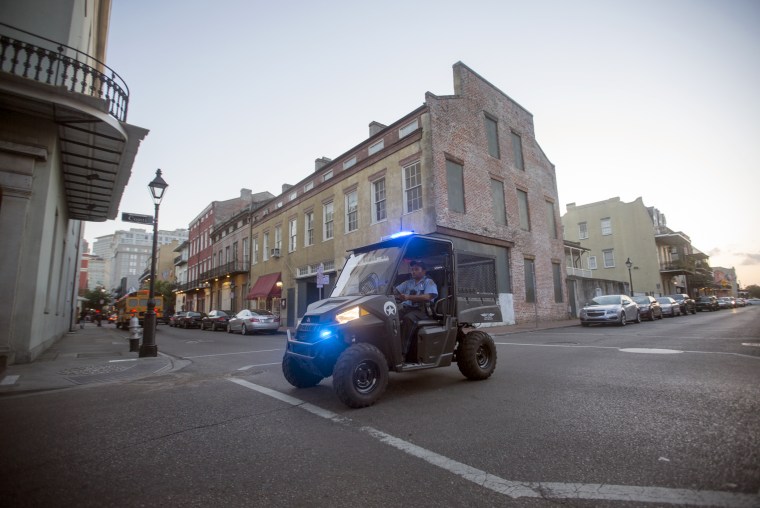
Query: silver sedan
(615,309)
(251,321)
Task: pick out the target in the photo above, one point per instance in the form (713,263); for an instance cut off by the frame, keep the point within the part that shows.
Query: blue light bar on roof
(397,235)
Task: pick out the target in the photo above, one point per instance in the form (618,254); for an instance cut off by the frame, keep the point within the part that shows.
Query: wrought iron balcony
(231,268)
(64,67)
(579,272)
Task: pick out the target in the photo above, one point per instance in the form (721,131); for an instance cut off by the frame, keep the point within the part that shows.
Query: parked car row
(622,309)
(246,321)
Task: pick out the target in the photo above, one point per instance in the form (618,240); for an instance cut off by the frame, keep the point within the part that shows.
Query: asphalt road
(652,414)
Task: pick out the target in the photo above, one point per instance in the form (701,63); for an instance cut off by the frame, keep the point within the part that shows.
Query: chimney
(245,194)
(375,127)
(321,162)
(286,187)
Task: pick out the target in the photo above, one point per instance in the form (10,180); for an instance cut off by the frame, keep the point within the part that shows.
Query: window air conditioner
(275,253)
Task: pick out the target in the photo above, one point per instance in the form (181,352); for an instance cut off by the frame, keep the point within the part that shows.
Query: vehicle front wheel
(476,357)
(243,330)
(638,317)
(623,321)
(297,375)
(229,328)
(360,376)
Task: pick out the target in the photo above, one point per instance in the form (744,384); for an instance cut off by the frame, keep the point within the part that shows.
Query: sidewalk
(85,356)
(101,355)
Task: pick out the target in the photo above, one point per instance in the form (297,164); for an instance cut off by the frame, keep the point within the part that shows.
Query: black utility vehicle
(355,334)
(708,303)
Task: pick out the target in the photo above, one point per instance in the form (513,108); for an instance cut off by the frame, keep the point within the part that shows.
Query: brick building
(466,167)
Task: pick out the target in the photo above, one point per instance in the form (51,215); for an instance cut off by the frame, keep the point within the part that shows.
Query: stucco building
(466,167)
(66,154)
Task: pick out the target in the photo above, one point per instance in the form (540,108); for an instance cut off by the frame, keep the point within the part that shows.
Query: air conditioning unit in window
(275,253)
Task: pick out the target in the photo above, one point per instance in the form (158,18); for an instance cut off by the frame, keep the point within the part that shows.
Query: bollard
(134,339)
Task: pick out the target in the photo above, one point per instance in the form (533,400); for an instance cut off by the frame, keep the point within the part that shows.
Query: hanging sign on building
(136,217)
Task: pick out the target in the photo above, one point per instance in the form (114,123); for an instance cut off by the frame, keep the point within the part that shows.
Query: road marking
(126,360)
(517,489)
(240,353)
(247,367)
(629,350)
(651,351)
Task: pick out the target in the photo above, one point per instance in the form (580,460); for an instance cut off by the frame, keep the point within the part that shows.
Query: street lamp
(629,264)
(148,348)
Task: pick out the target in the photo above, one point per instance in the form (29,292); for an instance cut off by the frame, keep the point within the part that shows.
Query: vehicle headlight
(350,314)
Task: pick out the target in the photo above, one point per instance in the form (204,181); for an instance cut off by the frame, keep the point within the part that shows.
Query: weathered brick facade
(462,180)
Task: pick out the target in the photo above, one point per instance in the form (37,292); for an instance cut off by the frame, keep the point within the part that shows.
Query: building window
(378,200)
(530,280)
(327,214)
(293,195)
(255,251)
(609,258)
(266,246)
(557,273)
(376,147)
(412,187)
(551,219)
(245,250)
(407,129)
(308,186)
(606,226)
(292,233)
(235,255)
(455,185)
(278,237)
(309,227)
(517,151)
(582,230)
(327,175)
(499,204)
(350,162)
(592,262)
(492,133)
(522,202)
(352,211)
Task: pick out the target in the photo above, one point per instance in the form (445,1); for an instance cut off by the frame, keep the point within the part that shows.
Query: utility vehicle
(355,334)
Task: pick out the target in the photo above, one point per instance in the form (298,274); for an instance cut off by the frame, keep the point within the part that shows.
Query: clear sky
(651,98)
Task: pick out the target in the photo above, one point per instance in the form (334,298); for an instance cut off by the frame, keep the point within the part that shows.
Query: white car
(250,321)
(670,307)
(753,301)
(616,309)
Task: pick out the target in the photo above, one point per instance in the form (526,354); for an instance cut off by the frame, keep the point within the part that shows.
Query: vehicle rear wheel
(638,317)
(360,376)
(243,330)
(476,357)
(229,328)
(297,375)
(623,321)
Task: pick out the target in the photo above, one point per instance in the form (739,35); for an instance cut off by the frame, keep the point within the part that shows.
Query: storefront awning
(265,287)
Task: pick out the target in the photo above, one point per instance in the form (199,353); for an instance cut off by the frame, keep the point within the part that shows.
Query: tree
(753,290)
(97,299)
(166,289)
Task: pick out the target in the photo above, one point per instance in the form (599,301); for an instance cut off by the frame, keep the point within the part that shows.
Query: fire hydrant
(136,334)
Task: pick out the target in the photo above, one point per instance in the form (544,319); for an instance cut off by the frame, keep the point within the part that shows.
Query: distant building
(466,167)
(67,153)
(725,283)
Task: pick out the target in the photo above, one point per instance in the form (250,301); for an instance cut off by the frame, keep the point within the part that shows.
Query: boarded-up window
(557,274)
(517,151)
(522,203)
(530,280)
(455,183)
(492,132)
(499,205)
(550,220)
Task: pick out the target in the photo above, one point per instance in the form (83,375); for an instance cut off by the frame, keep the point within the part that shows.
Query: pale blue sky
(650,98)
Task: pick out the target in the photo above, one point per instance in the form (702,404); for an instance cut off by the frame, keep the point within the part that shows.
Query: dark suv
(216,320)
(191,320)
(688,305)
(709,303)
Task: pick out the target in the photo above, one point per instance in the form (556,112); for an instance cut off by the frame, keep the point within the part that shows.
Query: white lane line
(629,350)
(516,489)
(240,353)
(247,367)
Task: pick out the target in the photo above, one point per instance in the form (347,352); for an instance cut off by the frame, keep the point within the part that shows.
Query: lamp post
(629,264)
(148,347)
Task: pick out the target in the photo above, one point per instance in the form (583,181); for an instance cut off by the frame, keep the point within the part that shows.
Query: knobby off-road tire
(360,375)
(476,357)
(296,375)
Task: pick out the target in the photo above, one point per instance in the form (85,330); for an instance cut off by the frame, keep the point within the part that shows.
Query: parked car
(176,318)
(250,321)
(687,303)
(216,320)
(727,302)
(670,307)
(191,320)
(741,302)
(618,309)
(707,303)
(753,301)
(649,307)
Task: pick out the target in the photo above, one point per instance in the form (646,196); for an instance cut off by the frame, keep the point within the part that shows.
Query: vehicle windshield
(606,300)
(368,273)
(644,300)
(663,299)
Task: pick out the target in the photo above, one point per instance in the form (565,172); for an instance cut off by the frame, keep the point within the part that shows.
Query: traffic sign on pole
(136,217)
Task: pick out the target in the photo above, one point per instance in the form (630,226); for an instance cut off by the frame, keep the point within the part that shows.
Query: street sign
(136,217)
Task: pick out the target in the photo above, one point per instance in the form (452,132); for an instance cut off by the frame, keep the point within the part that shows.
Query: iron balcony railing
(580,272)
(230,268)
(63,66)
